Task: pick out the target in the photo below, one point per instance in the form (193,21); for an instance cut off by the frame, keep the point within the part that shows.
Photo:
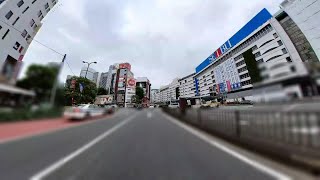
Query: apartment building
(20,21)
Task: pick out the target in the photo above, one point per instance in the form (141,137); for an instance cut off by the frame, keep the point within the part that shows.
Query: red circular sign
(131,82)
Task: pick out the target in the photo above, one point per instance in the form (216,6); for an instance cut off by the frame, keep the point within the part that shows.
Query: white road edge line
(237,155)
(44,173)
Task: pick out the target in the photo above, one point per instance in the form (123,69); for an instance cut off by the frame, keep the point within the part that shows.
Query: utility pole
(55,85)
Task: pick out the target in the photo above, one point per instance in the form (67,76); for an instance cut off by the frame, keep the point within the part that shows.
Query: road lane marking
(235,154)
(44,173)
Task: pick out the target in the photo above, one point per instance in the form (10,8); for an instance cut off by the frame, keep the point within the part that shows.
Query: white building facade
(20,20)
(171,92)
(155,96)
(262,55)
(305,13)
(187,86)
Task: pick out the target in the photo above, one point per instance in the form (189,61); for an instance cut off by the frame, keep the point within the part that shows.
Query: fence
(293,136)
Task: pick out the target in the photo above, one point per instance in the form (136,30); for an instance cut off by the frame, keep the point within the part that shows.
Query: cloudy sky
(162,39)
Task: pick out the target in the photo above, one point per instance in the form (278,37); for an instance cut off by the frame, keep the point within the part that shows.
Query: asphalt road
(133,145)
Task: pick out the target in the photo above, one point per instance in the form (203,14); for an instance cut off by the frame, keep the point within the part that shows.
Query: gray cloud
(162,39)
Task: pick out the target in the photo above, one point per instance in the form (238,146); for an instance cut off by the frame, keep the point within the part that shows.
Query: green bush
(27,114)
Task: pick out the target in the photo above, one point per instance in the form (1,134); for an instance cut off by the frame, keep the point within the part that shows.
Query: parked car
(174,105)
(83,111)
(151,106)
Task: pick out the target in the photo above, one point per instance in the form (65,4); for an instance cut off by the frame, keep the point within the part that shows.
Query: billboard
(125,66)
(131,82)
(262,17)
(227,77)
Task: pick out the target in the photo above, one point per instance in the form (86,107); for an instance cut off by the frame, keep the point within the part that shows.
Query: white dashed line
(44,173)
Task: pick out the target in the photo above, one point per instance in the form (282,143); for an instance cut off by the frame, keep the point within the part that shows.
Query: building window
(280,43)
(25,10)
(9,14)
(275,35)
(246,83)
(15,21)
(258,54)
(260,61)
(254,48)
(16,46)
(284,50)
(289,59)
(20,3)
(32,22)
(5,34)
(39,13)
(21,49)
(24,33)
(28,38)
(46,6)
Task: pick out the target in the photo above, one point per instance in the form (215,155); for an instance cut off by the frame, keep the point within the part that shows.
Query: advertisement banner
(125,66)
(131,82)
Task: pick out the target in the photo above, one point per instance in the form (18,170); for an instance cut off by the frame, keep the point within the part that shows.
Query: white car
(151,106)
(84,111)
(174,105)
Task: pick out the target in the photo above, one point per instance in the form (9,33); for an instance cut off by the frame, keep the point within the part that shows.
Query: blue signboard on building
(262,17)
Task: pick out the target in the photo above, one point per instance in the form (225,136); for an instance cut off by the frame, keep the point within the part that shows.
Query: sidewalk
(15,130)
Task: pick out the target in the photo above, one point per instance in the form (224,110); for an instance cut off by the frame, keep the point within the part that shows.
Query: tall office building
(20,22)
(145,84)
(103,80)
(124,85)
(90,74)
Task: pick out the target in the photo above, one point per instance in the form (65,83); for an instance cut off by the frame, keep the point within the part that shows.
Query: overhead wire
(42,44)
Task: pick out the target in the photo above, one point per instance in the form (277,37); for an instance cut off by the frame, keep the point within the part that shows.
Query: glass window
(16,46)
(9,14)
(25,10)
(46,6)
(5,34)
(32,22)
(24,33)
(15,21)
(284,50)
(20,3)
(39,13)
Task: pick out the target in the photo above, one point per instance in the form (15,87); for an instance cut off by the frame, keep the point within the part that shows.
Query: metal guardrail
(293,136)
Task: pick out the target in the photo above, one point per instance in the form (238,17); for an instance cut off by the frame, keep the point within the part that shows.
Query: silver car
(83,111)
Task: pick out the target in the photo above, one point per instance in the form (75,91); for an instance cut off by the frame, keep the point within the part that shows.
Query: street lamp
(89,63)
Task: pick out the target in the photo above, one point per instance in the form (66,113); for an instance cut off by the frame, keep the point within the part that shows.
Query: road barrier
(291,136)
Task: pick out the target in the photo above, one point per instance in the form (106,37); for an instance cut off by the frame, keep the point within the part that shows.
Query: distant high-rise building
(124,85)
(103,80)
(145,84)
(90,74)
(154,96)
